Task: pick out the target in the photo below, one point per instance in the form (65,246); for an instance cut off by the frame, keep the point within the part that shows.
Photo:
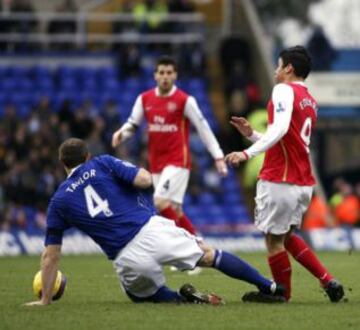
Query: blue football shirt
(99,198)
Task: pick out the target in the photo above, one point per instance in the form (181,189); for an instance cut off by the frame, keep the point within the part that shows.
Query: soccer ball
(59,286)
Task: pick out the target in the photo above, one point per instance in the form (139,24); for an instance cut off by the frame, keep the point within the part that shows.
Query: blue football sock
(233,266)
(163,295)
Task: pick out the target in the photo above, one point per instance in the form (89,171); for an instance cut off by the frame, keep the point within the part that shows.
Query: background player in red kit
(168,112)
(286,182)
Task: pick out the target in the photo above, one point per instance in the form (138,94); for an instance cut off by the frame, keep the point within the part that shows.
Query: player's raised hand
(235,158)
(116,138)
(242,125)
(221,166)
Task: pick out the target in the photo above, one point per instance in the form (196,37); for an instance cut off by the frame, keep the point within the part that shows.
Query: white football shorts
(171,183)
(159,242)
(279,206)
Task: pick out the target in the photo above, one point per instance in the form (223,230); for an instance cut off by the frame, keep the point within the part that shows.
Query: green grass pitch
(93,299)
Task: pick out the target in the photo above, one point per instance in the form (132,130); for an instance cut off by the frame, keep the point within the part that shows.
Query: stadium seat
(196,84)
(134,85)
(4,97)
(8,85)
(229,185)
(18,72)
(110,84)
(66,72)
(88,95)
(44,84)
(206,199)
(105,73)
(86,73)
(108,96)
(68,84)
(25,84)
(237,213)
(41,72)
(3,72)
(18,98)
(89,84)
(231,198)
(127,97)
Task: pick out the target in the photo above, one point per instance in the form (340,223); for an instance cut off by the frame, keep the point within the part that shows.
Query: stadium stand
(39,96)
(42,104)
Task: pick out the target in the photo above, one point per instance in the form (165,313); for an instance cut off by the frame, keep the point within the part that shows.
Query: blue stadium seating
(24,87)
(206,199)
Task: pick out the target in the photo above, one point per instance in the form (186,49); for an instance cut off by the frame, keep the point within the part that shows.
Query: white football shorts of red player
(171,183)
(279,206)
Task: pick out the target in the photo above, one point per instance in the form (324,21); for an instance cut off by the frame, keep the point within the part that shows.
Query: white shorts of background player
(171,183)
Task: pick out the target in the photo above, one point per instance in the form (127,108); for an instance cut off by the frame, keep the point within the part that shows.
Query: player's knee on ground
(141,283)
(141,278)
(207,259)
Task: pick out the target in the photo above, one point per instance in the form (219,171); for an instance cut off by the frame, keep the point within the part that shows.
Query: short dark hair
(166,60)
(299,58)
(73,152)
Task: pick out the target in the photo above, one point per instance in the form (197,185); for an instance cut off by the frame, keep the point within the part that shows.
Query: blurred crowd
(30,171)
(241,92)
(342,209)
(29,168)
(150,16)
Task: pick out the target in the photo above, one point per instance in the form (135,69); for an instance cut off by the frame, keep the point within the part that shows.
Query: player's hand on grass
(242,125)
(221,166)
(116,138)
(235,158)
(36,303)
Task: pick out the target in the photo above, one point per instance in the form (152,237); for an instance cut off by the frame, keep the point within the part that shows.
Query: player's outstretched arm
(235,158)
(221,166)
(49,267)
(122,134)
(128,129)
(242,126)
(116,138)
(143,179)
(194,114)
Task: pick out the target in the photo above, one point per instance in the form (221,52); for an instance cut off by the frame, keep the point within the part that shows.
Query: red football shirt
(288,160)
(168,129)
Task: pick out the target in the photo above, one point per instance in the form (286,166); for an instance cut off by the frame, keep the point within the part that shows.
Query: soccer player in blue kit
(101,198)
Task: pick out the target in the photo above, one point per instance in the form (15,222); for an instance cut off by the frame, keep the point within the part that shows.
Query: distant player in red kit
(286,182)
(168,112)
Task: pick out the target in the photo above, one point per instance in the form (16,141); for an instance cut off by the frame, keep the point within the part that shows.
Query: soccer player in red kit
(168,112)
(286,181)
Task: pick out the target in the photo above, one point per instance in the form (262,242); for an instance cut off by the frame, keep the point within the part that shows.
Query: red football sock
(301,251)
(169,213)
(184,222)
(281,271)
